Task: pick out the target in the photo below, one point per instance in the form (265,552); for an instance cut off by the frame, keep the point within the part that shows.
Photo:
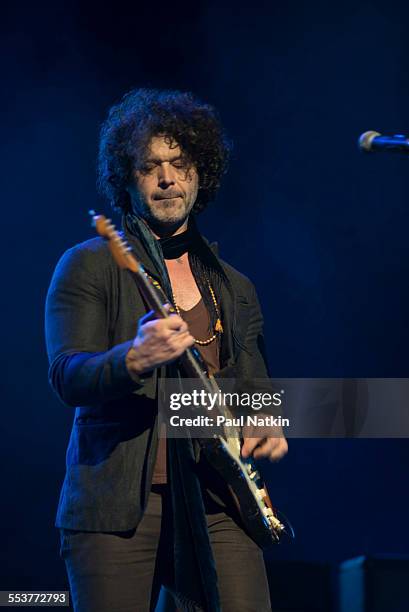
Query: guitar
(261,520)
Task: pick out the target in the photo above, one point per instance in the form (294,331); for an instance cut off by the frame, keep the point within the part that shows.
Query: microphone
(374,141)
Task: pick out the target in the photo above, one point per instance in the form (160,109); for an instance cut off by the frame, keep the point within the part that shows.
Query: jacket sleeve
(253,372)
(83,369)
(252,360)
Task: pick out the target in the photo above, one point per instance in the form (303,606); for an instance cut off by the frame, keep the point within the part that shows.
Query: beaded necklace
(218,328)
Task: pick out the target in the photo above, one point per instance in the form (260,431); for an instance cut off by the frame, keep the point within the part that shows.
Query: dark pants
(124,572)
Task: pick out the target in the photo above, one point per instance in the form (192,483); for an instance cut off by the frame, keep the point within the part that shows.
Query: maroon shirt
(198,322)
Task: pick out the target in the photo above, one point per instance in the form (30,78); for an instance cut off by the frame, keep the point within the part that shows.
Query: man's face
(165,188)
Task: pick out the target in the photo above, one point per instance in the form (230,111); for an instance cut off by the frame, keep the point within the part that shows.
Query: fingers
(159,341)
(273,449)
(149,316)
(181,341)
(175,322)
(269,448)
(163,327)
(249,445)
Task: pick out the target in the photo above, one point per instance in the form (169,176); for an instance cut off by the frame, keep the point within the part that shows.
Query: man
(135,514)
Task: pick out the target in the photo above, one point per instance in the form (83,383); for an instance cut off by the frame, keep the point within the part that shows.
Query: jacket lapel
(234,307)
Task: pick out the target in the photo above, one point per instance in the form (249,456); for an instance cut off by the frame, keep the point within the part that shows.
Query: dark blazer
(92,310)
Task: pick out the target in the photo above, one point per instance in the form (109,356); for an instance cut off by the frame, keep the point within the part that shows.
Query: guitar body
(249,493)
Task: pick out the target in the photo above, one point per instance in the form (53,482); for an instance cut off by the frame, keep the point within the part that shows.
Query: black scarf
(195,571)
(174,247)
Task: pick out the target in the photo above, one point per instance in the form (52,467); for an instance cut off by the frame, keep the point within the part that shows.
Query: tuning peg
(92,214)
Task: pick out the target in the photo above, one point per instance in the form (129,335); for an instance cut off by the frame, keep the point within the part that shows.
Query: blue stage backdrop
(321,229)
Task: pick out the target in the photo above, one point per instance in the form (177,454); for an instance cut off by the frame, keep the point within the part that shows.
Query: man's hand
(158,342)
(270,448)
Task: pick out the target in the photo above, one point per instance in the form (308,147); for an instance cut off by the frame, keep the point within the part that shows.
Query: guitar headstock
(119,248)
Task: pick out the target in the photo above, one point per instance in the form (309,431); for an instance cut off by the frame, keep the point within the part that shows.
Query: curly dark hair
(179,116)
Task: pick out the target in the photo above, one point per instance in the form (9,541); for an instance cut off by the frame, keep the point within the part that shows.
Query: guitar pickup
(261,493)
(251,472)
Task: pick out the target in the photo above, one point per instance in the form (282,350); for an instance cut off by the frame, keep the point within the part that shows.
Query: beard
(164,216)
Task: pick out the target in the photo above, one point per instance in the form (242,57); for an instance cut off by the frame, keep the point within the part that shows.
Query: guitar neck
(191,360)
(150,294)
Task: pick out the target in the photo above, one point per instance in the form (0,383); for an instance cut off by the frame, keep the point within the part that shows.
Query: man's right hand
(158,342)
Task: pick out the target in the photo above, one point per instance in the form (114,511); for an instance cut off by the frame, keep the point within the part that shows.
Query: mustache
(167,196)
